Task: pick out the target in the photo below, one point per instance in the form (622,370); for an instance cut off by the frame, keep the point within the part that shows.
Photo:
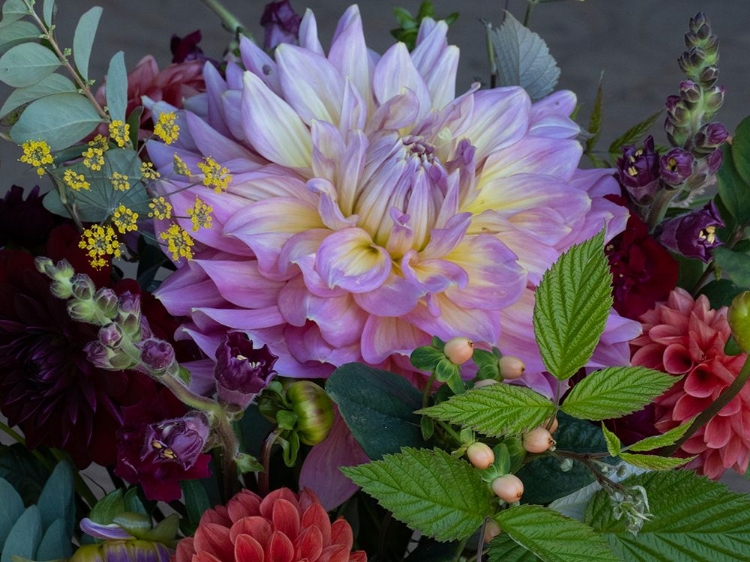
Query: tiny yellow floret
(100,241)
(120,181)
(37,154)
(148,172)
(179,166)
(200,215)
(119,132)
(125,219)
(160,208)
(166,127)
(75,181)
(179,242)
(216,176)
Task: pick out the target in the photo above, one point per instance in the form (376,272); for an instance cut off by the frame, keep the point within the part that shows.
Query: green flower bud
(739,320)
(314,410)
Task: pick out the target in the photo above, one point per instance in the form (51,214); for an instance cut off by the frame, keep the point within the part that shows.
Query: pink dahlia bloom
(282,527)
(685,337)
(370,208)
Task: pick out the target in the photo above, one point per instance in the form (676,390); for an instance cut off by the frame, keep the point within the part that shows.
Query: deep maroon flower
(694,234)
(47,386)
(643,271)
(241,370)
(638,171)
(25,223)
(676,166)
(281,24)
(186,48)
(160,445)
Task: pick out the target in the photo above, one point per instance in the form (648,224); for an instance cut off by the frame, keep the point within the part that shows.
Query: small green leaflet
(654,462)
(83,40)
(732,188)
(523,59)
(429,490)
(615,392)
(595,122)
(26,64)
(664,440)
(571,308)
(735,264)
(693,519)
(553,537)
(740,149)
(614,447)
(494,410)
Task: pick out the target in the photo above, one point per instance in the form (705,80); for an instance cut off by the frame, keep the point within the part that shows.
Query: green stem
(228,19)
(449,430)
(659,207)
(716,406)
(427,390)
(527,17)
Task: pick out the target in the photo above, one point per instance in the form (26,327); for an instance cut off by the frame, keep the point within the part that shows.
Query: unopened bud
(83,287)
(61,289)
(738,317)
(676,166)
(709,137)
(110,335)
(511,367)
(480,455)
(157,355)
(314,411)
(107,358)
(106,300)
(459,350)
(538,440)
(83,311)
(508,488)
(690,92)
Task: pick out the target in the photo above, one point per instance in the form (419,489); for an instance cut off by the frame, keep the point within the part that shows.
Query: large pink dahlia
(686,337)
(370,208)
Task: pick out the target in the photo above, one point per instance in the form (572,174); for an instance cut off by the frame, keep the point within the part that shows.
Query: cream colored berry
(459,350)
(480,455)
(511,367)
(538,440)
(508,488)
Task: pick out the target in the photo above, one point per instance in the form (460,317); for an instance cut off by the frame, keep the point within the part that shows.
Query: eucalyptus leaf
(523,59)
(26,64)
(57,500)
(24,537)
(13,10)
(48,12)
(60,119)
(55,543)
(16,33)
(83,40)
(52,84)
(11,509)
(117,87)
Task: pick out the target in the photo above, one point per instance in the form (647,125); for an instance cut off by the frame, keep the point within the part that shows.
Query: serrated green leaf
(442,497)
(25,536)
(117,87)
(13,10)
(11,509)
(571,308)
(378,407)
(17,33)
(505,549)
(734,264)
(494,410)
(60,119)
(52,84)
(55,543)
(523,59)
(83,40)
(615,392)
(658,441)
(732,188)
(553,537)
(632,135)
(693,519)
(654,462)
(48,12)
(26,64)
(614,447)
(595,122)
(57,500)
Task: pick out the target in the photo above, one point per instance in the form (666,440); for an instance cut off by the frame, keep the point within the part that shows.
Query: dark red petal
(309,544)
(247,549)
(280,549)
(286,518)
(257,527)
(214,538)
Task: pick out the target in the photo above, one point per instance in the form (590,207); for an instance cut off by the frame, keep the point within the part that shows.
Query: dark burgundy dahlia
(47,387)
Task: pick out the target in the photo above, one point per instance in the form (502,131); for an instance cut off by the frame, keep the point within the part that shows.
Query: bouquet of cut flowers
(291,303)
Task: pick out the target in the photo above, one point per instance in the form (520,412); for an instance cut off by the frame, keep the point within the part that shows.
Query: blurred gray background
(634,43)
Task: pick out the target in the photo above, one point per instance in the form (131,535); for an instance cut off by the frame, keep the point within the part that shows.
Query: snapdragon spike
(242,371)
(694,234)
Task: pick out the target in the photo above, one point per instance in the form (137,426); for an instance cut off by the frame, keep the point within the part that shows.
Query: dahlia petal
(341,534)
(399,111)
(699,382)
(500,118)
(718,432)
(550,116)
(254,526)
(452,321)
(316,516)
(351,169)
(401,237)
(266,505)
(552,157)
(320,95)
(231,109)
(554,127)
(443,240)
(334,554)
(432,276)
(257,61)
(286,518)
(211,143)
(247,549)
(240,282)
(214,538)
(308,33)
(350,260)
(441,80)
(234,73)
(429,55)
(307,345)
(394,73)
(215,87)
(330,212)
(385,336)
(309,544)
(328,149)
(517,337)
(243,319)
(201,289)
(273,127)
(280,548)
(246,504)
(349,54)
(396,296)
(562,102)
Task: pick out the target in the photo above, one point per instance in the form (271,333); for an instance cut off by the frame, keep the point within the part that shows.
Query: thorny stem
(716,406)
(228,19)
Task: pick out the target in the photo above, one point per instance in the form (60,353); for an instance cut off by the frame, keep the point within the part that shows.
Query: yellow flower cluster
(179,242)
(179,166)
(148,172)
(93,156)
(200,215)
(119,132)
(75,181)
(166,127)
(125,220)
(100,241)
(216,176)
(37,154)
(160,208)
(120,181)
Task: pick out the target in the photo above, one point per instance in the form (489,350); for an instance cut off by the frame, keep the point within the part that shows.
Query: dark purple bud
(713,161)
(186,48)
(638,171)
(713,99)
(178,440)
(106,300)
(690,92)
(157,355)
(710,137)
(110,335)
(693,235)
(107,358)
(129,314)
(709,76)
(676,166)
(242,371)
(83,287)
(281,24)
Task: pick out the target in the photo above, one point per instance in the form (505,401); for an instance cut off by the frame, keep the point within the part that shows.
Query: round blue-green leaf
(52,84)
(27,64)
(17,33)
(83,40)
(117,87)
(11,509)
(60,119)
(14,10)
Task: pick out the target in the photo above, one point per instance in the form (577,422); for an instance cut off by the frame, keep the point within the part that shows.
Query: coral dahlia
(369,208)
(686,337)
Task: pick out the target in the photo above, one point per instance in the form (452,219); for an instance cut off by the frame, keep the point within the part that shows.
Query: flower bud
(511,367)
(314,410)
(107,358)
(83,311)
(694,234)
(129,314)
(110,335)
(554,426)
(106,300)
(157,356)
(242,371)
(83,287)
(480,455)
(690,92)
(738,317)
(713,99)
(713,161)
(61,289)
(538,440)
(459,350)
(709,137)
(508,488)
(676,166)
(281,24)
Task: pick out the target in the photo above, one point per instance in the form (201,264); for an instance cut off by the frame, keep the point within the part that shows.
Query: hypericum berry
(491,530)
(553,427)
(538,440)
(459,350)
(508,488)
(511,367)
(480,455)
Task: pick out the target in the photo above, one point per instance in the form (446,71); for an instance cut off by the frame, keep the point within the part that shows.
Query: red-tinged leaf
(247,549)
(280,549)
(286,518)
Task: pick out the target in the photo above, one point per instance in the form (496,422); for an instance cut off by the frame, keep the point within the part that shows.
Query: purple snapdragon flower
(242,371)
(694,234)
(281,24)
(676,166)
(638,171)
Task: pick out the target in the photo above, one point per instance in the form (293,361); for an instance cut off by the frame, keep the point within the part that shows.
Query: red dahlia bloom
(282,527)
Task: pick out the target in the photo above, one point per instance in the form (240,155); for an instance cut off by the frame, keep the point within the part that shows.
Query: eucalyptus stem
(716,406)
(228,19)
